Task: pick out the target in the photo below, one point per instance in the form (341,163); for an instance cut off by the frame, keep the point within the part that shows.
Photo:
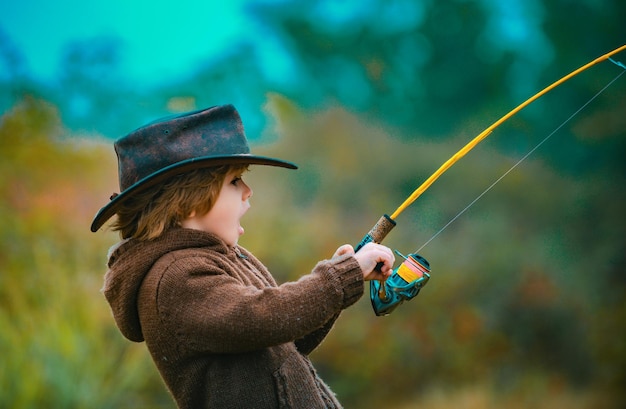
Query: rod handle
(380,230)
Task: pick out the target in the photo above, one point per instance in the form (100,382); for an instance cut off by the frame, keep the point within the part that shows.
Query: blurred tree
(92,94)
(432,66)
(14,79)
(11,60)
(402,61)
(60,346)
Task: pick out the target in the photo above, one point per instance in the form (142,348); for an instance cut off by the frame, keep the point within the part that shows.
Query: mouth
(240,228)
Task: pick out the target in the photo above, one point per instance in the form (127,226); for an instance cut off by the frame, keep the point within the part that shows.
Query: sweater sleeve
(309,342)
(208,310)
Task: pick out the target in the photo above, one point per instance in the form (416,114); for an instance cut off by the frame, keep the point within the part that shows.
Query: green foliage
(60,346)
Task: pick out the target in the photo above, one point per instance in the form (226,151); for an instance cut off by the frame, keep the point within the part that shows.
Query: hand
(368,257)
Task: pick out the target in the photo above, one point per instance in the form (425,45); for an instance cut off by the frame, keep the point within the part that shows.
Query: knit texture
(220,330)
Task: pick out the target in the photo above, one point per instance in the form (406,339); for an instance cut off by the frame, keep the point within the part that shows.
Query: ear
(188,222)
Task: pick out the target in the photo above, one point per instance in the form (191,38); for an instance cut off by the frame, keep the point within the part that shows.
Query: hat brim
(155,178)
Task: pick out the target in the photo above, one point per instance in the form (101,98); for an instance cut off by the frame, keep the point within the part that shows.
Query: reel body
(406,280)
(405,283)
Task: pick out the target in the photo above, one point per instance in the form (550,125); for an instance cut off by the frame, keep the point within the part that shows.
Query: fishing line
(401,286)
(386,223)
(619,64)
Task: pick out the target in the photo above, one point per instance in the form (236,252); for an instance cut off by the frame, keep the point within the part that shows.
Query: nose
(247,192)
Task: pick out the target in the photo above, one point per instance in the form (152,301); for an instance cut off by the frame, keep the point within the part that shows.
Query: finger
(387,259)
(344,249)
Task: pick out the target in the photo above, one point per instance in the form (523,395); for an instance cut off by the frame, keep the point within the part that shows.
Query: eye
(236,180)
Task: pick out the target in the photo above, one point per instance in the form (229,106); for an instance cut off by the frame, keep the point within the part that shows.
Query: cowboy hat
(179,144)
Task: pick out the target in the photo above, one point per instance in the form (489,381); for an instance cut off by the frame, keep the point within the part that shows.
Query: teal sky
(157,38)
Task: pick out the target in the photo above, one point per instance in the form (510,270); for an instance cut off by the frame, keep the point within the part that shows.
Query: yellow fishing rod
(408,278)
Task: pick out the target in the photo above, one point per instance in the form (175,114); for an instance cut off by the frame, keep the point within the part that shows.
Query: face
(224,217)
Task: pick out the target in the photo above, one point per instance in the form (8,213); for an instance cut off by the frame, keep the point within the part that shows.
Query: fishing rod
(412,275)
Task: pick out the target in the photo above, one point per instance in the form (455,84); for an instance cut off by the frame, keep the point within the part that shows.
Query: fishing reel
(404,284)
(406,280)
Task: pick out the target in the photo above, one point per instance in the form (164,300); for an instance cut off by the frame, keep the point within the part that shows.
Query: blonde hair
(148,214)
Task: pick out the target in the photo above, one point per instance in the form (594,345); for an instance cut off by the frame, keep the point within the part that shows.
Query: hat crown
(212,132)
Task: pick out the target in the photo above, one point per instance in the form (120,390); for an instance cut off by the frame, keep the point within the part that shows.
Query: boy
(220,330)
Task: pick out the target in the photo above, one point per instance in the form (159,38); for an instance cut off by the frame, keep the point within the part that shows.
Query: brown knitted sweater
(220,330)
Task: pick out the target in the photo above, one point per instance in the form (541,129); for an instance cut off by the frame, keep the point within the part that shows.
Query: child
(220,330)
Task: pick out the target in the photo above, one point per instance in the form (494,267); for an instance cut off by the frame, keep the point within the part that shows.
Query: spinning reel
(404,284)
(406,280)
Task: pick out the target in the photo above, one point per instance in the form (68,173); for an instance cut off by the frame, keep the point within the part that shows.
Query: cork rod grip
(380,230)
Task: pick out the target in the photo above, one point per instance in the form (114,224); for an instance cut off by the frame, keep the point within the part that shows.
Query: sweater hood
(130,261)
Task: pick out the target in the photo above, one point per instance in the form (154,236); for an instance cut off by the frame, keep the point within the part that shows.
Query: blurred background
(526,306)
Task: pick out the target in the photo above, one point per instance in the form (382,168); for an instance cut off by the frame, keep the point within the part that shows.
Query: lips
(240,228)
